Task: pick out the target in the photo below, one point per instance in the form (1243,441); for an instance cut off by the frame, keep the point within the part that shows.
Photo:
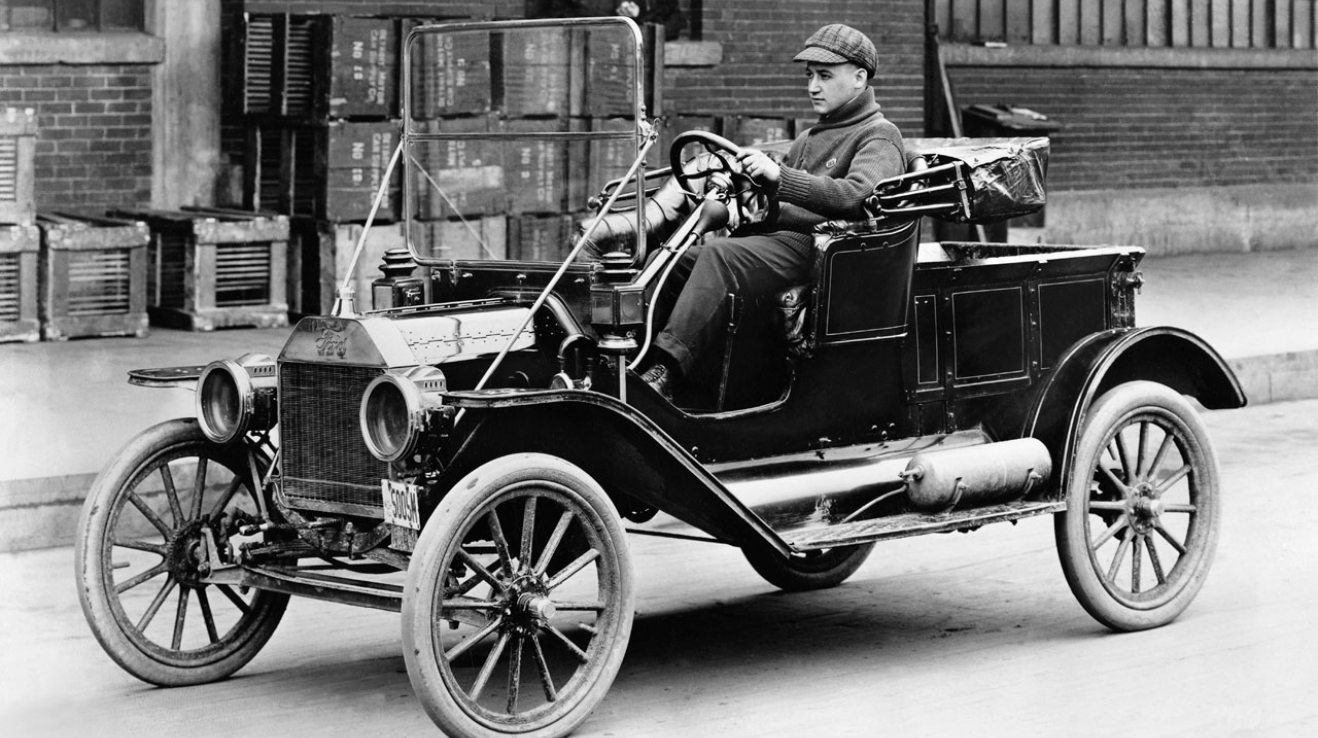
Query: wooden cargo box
(18,137)
(211,268)
(313,66)
(451,75)
(19,318)
(531,72)
(94,276)
(471,238)
(322,256)
(469,173)
(330,171)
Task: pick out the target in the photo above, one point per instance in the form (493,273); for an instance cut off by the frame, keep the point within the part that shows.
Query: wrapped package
(1006,175)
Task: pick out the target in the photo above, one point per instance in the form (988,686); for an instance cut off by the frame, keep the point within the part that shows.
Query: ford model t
(466,450)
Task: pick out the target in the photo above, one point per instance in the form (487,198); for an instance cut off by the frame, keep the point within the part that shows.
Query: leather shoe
(660,379)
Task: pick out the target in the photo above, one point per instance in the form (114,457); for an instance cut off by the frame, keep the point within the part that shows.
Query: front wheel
(821,569)
(1142,508)
(518,604)
(140,565)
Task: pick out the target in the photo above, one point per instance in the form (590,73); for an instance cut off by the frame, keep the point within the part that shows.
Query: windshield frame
(413,132)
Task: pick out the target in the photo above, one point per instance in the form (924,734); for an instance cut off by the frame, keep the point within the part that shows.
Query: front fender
(619,447)
(1170,356)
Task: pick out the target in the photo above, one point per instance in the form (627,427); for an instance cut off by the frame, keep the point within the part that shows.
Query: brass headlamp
(235,396)
(398,412)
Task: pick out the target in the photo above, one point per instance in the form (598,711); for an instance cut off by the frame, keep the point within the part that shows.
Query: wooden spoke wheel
(1138,535)
(820,569)
(518,605)
(140,561)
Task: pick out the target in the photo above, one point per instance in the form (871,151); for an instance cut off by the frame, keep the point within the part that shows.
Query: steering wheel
(754,206)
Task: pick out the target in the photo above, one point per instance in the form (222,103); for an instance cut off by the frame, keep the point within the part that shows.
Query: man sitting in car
(827,174)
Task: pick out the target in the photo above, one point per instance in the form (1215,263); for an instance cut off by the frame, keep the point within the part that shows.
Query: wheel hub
(185,554)
(1144,507)
(527,605)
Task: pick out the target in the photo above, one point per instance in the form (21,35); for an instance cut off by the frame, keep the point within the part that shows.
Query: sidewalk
(65,408)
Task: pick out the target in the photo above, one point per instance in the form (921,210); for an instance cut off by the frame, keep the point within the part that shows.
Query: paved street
(952,635)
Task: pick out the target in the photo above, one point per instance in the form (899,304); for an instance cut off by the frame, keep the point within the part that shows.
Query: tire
(814,570)
(1143,508)
(143,520)
(481,594)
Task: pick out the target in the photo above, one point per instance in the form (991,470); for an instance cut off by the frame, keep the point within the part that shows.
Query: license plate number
(400,506)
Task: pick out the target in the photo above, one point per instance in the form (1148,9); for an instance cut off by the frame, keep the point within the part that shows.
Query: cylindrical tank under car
(976,475)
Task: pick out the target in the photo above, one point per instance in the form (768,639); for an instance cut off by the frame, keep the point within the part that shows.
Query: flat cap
(837,43)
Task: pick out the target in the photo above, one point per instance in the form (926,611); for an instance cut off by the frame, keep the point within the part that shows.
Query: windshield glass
(511,130)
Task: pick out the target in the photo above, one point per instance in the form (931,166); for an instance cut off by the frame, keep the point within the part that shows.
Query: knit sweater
(832,167)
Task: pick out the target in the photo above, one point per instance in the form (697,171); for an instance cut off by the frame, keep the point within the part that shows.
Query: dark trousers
(697,289)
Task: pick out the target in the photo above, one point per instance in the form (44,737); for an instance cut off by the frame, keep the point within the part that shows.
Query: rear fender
(1170,356)
(636,462)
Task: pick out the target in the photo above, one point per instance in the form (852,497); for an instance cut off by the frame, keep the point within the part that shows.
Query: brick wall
(760,37)
(94,138)
(1143,128)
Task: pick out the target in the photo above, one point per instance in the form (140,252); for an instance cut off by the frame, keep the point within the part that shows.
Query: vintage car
(467,451)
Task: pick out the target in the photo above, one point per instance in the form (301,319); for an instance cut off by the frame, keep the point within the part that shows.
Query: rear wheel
(821,569)
(1141,523)
(140,564)
(518,605)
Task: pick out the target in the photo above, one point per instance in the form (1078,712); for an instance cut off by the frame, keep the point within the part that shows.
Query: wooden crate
(18,141)
(484,238)
(605,159)
(322,256)
(531,72)
(610,75)
(540,237)
(212,268)
(470,172)
(19,317)
(535,169)
(313,66)
(750,130)
(328,171)
(451,75)
(93,276)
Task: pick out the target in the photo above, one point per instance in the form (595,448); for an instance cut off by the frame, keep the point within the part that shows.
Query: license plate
(400,506)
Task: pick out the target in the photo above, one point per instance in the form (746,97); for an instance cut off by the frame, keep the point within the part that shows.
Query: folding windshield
(511,129)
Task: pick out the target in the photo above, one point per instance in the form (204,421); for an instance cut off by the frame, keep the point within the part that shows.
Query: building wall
(1173,149)
(432,9)
(758,39)
(94,130)
(754,40)
(1146,128)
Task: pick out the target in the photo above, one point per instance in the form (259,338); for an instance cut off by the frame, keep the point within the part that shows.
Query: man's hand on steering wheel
(751,201)
(760,167)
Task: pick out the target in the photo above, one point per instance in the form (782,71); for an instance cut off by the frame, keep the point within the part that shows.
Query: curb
(43,512)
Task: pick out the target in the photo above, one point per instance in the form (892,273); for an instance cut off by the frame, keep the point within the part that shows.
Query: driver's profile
(828,172)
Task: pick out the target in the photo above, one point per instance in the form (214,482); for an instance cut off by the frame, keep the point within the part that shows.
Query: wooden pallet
(93,276)
(215,268)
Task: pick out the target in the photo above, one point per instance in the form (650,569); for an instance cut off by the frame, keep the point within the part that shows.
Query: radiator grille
(99,282)
(324,456)
(242,273)
(10,287)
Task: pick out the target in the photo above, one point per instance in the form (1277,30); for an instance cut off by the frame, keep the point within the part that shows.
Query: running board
(907,525)
(290,580)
